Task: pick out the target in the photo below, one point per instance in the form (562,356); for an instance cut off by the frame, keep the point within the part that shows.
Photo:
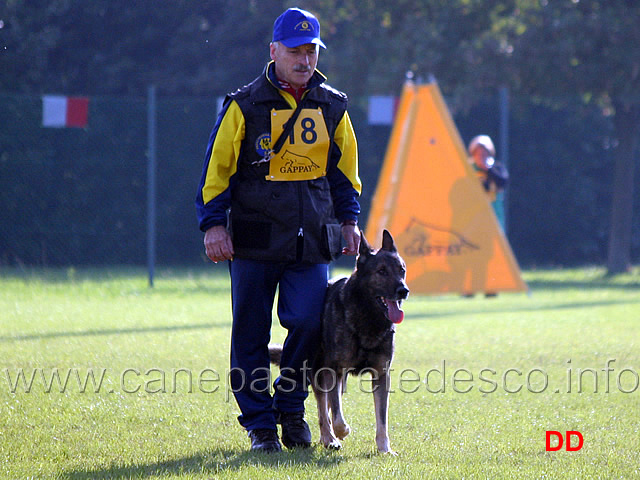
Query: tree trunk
(626,121)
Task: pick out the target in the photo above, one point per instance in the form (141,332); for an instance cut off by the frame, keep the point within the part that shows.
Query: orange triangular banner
(430,199)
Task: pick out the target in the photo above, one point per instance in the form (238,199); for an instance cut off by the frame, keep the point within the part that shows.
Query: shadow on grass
(211,463)
(127,279)
(523,308)
(121,331)
(602,282)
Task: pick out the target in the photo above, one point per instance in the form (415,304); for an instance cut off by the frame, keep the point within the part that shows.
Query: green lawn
(500,373)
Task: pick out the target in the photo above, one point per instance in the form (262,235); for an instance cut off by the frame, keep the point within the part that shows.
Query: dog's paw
(331,443)
(387,451)
(341,430)
(384,446)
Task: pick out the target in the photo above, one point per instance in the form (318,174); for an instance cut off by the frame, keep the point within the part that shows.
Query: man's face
(295,65)
(480,155)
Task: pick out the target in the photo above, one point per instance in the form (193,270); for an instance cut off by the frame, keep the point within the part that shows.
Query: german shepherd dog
(358,327)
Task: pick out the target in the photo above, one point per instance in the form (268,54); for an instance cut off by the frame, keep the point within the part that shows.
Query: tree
(372,44)
(120,47)
(591,48)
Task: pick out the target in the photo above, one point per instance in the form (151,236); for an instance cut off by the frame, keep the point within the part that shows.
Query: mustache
(301,68)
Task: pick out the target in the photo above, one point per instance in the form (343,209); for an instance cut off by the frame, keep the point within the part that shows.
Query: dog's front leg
(340,426)
(380,385)
(322,385)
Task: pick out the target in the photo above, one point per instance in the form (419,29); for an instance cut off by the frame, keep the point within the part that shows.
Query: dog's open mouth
(394,312)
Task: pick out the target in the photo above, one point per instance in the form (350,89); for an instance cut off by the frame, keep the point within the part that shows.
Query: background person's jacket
(494,179)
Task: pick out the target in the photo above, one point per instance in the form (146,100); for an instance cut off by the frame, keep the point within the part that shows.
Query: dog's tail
(275,353)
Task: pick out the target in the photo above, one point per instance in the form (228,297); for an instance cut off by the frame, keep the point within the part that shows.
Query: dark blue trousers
(301,291)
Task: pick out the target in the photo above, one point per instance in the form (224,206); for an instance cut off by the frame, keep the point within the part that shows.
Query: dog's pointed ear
(387,242)
(364,250)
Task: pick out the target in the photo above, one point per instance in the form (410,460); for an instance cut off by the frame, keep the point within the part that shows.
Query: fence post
(504,144)
(151,182)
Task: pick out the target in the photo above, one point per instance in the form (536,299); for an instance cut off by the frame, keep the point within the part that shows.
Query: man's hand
(351,235)
(217,244)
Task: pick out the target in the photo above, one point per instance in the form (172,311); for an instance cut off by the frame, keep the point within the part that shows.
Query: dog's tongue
(396,315)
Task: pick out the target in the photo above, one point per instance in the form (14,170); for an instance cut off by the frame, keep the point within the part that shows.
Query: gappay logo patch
(304,153)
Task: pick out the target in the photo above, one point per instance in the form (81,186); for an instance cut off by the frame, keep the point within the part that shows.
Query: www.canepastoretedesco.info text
(438,379)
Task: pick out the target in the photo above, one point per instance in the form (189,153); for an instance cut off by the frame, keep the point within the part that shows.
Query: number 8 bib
(304,153)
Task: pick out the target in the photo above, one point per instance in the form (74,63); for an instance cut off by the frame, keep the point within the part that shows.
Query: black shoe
(264,440)
(295,430)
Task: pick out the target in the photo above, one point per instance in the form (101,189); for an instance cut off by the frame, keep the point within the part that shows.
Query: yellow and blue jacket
(278,207)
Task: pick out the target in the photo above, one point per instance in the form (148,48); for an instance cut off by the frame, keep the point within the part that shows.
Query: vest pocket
(251,234)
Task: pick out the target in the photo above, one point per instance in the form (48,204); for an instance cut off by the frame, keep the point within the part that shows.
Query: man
(492,174)
(275,208)
(494,177)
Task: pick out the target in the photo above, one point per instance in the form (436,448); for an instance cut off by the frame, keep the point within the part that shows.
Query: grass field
(476,382)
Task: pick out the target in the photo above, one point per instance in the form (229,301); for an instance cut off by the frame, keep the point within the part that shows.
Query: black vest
(283,221)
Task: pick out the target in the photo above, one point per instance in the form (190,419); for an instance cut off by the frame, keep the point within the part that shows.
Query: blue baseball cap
(297,27)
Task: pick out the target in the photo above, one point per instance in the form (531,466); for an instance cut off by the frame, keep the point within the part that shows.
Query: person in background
(279,191)
(493,175)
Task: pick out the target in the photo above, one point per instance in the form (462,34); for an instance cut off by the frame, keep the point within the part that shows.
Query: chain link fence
(78,196)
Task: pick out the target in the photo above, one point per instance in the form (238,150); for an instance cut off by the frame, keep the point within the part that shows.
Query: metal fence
(72,196)
(78,196)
